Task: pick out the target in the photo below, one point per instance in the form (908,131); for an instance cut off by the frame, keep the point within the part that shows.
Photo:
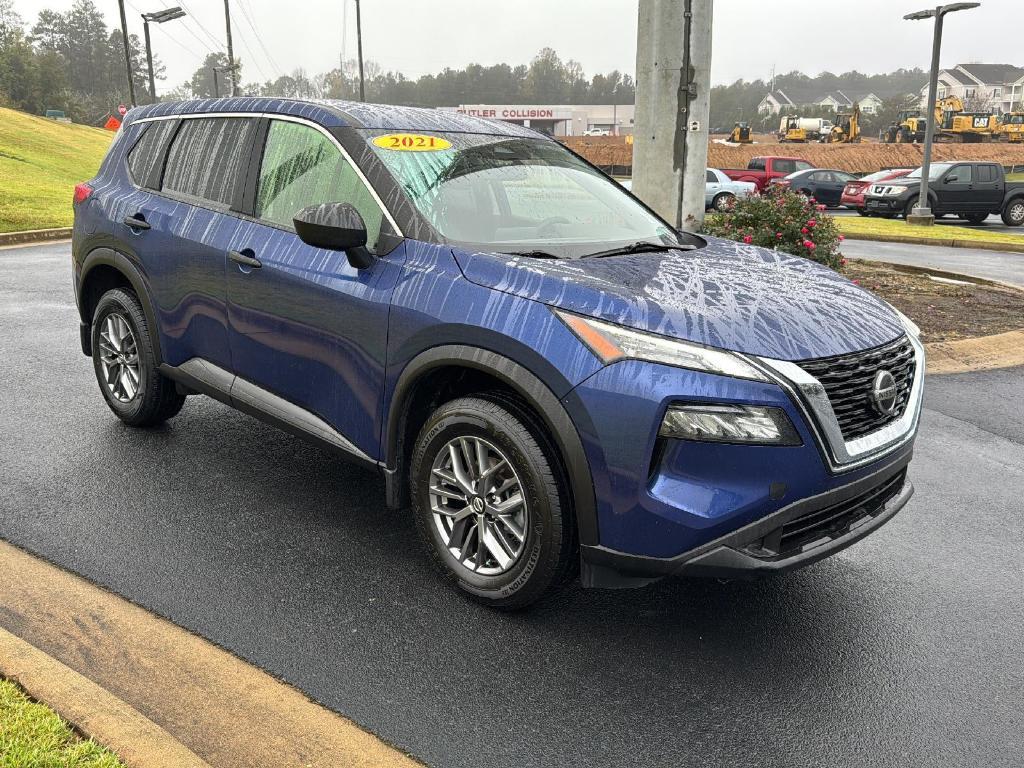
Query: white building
(779,101)
(984,87)
(559,119)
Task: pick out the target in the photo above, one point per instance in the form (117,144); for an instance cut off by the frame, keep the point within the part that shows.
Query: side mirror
(337,227)
(951,179)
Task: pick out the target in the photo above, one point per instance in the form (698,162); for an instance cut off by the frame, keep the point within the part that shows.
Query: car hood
(727,295)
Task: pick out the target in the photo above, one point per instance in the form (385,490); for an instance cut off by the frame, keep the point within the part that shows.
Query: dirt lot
(855,158)
(944,312)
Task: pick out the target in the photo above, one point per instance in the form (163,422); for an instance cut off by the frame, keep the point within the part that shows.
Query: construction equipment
(740,134)
(1011,127)
(846,129)
(952,125)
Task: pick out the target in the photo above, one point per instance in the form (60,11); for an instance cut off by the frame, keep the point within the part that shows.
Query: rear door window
(302,167)
(711,178)
(147,153)
(986,173)
(208,157)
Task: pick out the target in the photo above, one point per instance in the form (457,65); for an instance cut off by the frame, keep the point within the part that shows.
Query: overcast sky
(415,37)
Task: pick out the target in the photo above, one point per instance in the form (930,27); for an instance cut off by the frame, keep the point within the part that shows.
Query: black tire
(908,209)
(864,212)
(1013,213)
(722,201)
(155,398)
(549,554)
(975,218)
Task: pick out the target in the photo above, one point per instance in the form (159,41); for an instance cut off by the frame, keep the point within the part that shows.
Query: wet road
(904,650)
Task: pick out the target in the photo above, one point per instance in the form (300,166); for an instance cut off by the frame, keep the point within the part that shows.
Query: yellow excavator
(955,125)
(1011,127)
(846,129)
(952,124)
(740,134)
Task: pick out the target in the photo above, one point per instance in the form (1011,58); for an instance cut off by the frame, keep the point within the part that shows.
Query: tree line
(73,62)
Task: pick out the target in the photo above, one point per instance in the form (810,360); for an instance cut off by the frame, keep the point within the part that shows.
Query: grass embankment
(32,735)
(40,162)
(897,230)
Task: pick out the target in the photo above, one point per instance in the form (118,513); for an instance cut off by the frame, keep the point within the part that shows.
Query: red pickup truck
(761,170)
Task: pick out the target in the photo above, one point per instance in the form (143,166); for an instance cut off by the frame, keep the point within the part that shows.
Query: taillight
(82,192)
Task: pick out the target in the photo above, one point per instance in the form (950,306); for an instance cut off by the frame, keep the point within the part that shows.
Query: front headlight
(613,342)
(895,191)
(757,425)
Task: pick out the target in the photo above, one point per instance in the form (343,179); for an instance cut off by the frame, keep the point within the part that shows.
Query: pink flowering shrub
(782,220)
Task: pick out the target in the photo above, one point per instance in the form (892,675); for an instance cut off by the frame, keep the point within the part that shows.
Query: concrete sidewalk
(154,693)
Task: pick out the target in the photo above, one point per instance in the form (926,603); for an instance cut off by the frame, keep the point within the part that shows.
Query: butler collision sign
(510,112)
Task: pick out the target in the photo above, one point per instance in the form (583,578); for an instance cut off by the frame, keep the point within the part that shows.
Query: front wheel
(1013,213)
(723,202)
(488,502)
(975,218)
(908,209)
(125,363)
(863,212)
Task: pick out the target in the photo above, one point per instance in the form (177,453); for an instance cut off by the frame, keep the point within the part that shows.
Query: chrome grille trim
(812,399)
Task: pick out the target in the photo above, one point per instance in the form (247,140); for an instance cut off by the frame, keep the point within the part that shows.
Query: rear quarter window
(144,158)
(207,158)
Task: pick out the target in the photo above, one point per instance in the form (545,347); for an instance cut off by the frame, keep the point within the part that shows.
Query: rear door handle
(138,221)
(241,258)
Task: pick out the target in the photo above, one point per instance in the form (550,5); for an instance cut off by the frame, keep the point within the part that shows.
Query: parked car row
(719,190)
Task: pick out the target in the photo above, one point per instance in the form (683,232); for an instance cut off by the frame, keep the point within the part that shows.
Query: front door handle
(138,221)
(241,258)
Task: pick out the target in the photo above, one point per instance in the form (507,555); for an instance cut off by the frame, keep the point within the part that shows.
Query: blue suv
(551,377)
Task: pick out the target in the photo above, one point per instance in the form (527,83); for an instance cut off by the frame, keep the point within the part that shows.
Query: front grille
(848,380)
(827,523)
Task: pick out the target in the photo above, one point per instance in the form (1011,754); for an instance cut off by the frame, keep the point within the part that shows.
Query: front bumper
(884,204)
(799,534)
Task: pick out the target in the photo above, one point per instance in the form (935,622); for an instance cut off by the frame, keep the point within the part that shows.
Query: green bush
(782,220)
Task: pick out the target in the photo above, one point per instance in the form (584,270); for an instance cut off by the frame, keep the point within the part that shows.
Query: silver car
(720,190)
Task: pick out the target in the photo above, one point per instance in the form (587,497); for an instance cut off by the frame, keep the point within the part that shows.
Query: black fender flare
(528,386)
(103,256)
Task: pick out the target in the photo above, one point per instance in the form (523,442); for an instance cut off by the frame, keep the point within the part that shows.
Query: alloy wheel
(1017,213)
(478,506)
(119,358)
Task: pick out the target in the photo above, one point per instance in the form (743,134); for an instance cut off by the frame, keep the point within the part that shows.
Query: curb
(93,711)
(950,243)
(137,674)
(34,236)
(984,353)
(914,269)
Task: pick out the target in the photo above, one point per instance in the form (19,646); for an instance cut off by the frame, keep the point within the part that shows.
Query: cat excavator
(952,124)
(1011,127)
(846,129)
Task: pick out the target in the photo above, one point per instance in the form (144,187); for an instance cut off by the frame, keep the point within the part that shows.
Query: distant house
(996,87)
(779,101)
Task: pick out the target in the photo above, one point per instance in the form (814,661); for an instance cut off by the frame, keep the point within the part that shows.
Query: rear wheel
(975,218)
(723,201)
(125,363)
(487,498)
(1013,213)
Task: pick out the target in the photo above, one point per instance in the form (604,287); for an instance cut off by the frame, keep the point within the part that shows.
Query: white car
(720,190)
(597,132)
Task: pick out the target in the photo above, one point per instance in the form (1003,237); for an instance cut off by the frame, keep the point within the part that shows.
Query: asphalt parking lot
(904,650)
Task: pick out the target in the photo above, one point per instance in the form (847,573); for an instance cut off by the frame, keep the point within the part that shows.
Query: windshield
(1015,120)
(515,195)
(877,176)
(934,171)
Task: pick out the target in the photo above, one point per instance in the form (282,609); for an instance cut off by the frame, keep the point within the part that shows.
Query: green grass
(860,227)
(32,736)
(40,162)
(1015,176)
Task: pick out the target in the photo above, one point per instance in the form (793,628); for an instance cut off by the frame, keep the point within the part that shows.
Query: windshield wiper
(532,254)
(640,247)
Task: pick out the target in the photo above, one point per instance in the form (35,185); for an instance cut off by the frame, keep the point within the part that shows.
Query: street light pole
(359,45)
(158,17)
(127,54)
(922,214)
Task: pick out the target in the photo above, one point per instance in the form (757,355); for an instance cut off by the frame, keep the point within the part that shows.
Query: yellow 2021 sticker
(412,142)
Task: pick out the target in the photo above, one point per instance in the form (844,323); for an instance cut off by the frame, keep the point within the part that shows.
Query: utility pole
(127,54)
(231,52)
(673,90)
(922,213)
(359,45)
(216,85)
(168,14)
